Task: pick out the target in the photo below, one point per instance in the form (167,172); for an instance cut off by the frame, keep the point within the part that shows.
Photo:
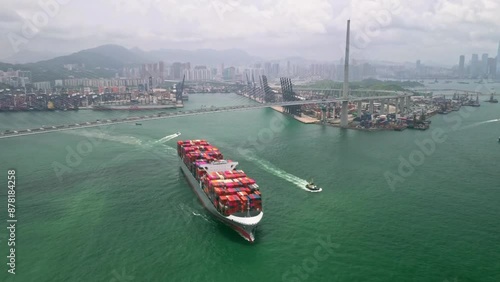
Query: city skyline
(435,33)
(485,67)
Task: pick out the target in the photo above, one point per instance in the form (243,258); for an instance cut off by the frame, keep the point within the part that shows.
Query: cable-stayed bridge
(203,111)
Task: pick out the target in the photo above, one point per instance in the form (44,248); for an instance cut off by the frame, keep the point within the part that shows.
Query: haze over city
(436,32)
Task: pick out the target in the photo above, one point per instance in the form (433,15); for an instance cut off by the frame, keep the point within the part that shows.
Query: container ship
(228,194)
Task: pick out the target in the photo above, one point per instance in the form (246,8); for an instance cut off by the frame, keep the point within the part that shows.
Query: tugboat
(400,127)
(492,100)
(312,187)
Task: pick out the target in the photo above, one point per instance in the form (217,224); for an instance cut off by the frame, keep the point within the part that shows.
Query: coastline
(304,119)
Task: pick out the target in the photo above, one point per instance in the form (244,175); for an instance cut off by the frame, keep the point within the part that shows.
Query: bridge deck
(57,128)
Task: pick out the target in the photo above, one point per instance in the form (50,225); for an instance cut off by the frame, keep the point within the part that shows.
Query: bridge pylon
(269,96)
(345,92)
(179,89)
(289,96)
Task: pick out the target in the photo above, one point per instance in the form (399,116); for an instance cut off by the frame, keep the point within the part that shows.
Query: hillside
(107,56)
(28,56)
(105,61)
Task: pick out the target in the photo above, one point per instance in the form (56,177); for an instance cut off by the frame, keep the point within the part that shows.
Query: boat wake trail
(162,141)
(151,146)
(299,182)
(104,136)
(168,137)
(479,123)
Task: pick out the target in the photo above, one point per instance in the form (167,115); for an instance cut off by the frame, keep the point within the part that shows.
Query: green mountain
(106,56)
(107,60)
(103,61)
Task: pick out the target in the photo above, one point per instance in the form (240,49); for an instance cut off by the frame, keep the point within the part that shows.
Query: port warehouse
(24,102)
(230,191)
(380,116)
(423,107)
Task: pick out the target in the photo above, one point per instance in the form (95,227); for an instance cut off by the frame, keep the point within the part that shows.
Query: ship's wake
(99,135)
(161,143)
(148,145)
(168,137)
(479,123)
(299,182)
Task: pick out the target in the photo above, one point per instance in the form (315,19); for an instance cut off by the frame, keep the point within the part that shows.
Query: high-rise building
(369,71)
(162,70)
(199,73)
(498,51)
(275,70)
(492,68)
(461,66)
(484,64)
(220,72)
(497,71)
(268,69)
(474,66)
(229,74)
(418,68)
(176,70)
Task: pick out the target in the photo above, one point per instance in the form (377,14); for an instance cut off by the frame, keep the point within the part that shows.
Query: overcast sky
(396,30)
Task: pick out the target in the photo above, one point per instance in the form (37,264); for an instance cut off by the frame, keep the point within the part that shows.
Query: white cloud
(397,29)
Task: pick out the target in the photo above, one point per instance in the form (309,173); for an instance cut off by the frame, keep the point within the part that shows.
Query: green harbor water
(111,204)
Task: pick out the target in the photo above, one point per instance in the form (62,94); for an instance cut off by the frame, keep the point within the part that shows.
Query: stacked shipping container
(230,191)
(195,153)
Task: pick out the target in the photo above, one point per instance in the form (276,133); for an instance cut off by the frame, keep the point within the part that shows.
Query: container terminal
(360,109)
(109,99)
(414,113)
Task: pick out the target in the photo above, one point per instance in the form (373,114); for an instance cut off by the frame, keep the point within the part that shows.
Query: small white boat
(312,187)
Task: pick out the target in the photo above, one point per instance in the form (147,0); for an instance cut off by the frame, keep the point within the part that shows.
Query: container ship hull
(247,231)
(245,225)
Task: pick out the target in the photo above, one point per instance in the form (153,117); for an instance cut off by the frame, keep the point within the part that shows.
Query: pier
(304,119)
(362,109)
(97,123)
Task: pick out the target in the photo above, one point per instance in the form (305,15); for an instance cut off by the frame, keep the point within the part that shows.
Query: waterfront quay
(22,101)
(162,115)
(398,114)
